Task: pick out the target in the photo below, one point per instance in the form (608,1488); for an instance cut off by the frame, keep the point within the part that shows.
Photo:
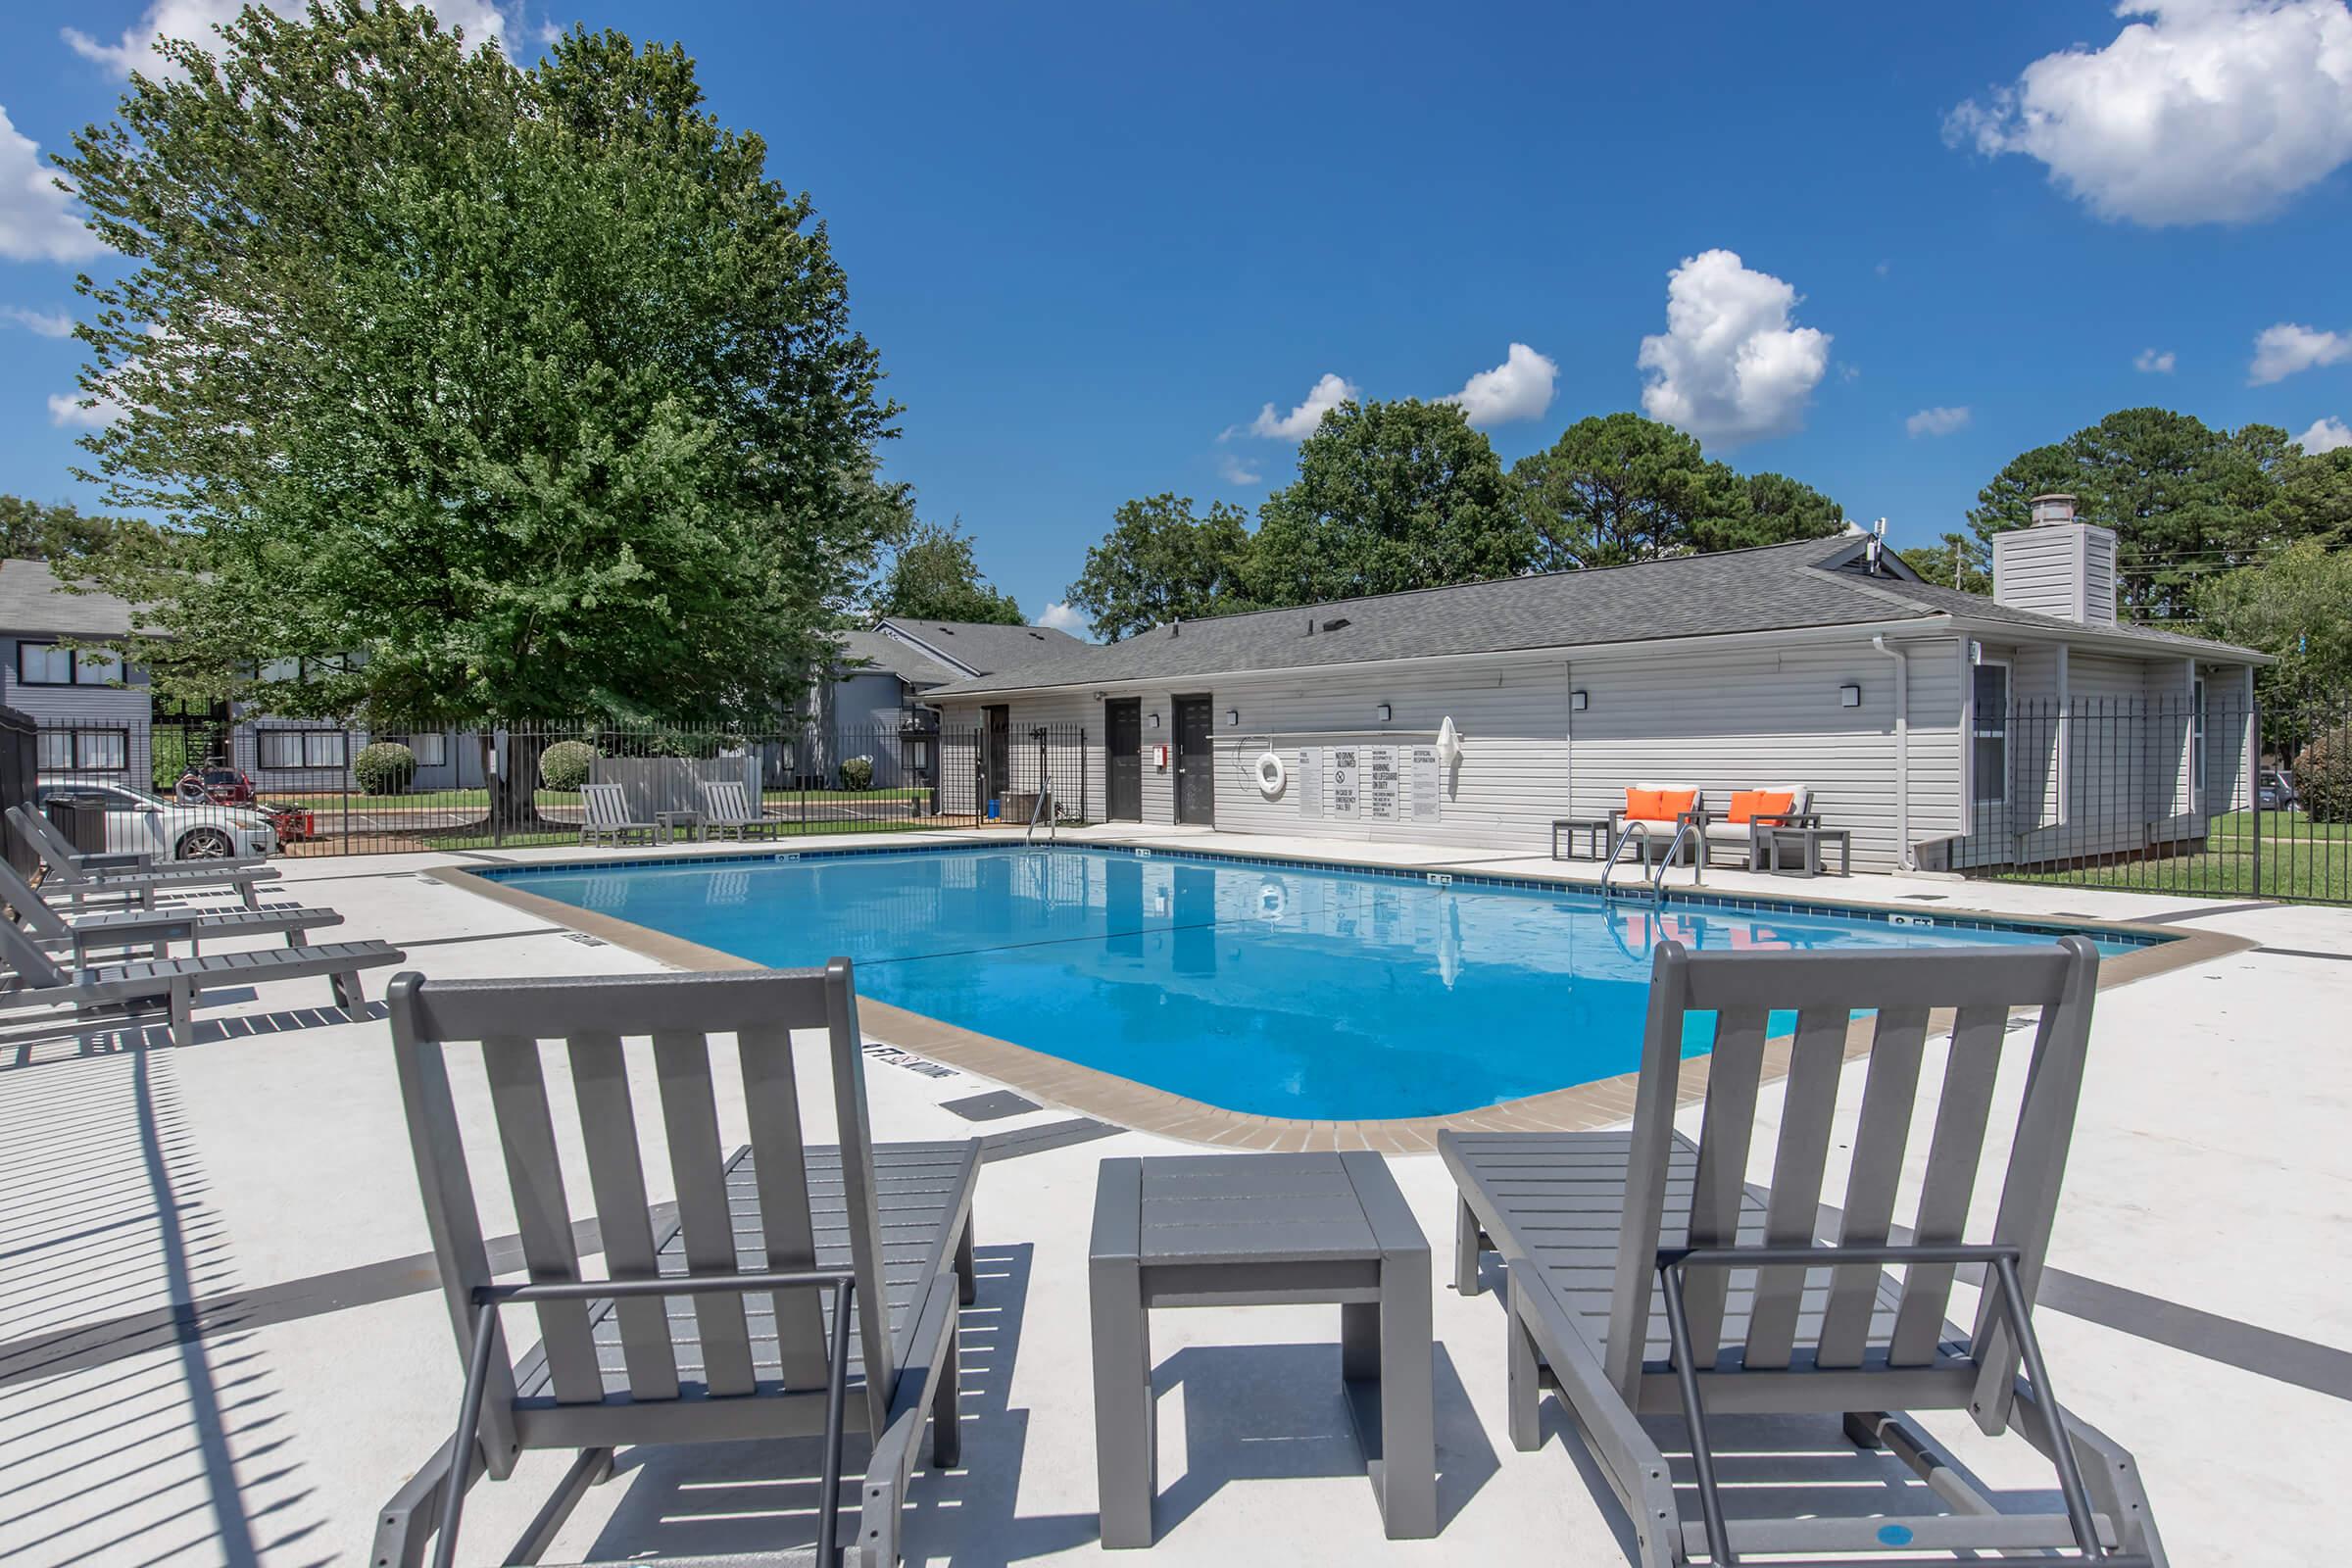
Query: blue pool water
(1279,990)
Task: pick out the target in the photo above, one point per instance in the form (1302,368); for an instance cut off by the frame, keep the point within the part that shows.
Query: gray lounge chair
(728,813)
(607,818)
(1648,1278)
(774,1252)
(133,881)
(177,982)
(156,928)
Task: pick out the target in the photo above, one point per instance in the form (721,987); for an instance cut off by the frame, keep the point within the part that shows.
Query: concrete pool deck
(221,1342)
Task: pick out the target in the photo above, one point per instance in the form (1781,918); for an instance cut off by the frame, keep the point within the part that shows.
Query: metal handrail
(1681,832)
(1045,809)
(1616,853)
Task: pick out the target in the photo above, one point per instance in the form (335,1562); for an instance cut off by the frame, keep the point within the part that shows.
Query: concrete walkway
(221,1342)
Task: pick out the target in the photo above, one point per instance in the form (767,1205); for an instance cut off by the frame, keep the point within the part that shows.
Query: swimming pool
(1278,989)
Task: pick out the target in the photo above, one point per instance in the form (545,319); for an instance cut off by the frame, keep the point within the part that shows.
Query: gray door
(1123,737)
(1196,763)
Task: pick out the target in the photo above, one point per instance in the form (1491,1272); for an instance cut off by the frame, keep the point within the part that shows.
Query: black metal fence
(196,788)
(2204,794)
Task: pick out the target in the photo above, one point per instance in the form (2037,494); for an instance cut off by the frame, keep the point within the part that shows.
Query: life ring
(1270,775)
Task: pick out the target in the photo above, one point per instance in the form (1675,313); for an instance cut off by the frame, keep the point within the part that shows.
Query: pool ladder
(1043,808)
(1652,884)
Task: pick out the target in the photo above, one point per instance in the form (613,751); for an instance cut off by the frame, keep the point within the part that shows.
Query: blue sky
(1093,243)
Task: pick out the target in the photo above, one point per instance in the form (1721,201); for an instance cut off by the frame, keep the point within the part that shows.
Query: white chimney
(2058,567)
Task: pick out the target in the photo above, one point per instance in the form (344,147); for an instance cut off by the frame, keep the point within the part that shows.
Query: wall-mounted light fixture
(1156,720)
(1849,697)
(1383,712)
(1577,702)
(1233,716)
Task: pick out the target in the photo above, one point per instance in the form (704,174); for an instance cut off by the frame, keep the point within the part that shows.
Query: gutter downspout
(1904,854)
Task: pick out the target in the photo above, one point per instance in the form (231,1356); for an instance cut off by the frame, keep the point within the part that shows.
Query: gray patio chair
(131,928)
(606,819)
(135,880)
(732,1321)
(177,982)
(1648,1278)
(727,812)
(59,849)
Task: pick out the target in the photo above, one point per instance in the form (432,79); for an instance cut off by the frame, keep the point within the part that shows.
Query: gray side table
(1775,847)
(686,819)
(1593,830)
(1256,1230)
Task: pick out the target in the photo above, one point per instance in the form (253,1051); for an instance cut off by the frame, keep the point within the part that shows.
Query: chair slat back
(33,910)
(519,1028)
(607,805)
(46,840)
(24,955)
(1842,1002)
(726,801)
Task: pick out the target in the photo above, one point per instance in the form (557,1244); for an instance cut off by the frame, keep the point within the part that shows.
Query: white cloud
(66,409)
(2214,111)
(2288,347)
(1937,421)
(37,222)
(2326,436)
(1519,388)
(47,324)
(1730,367)
(195,20)
(1059,617)
(2150,362)
(1237,471)
(1300,423)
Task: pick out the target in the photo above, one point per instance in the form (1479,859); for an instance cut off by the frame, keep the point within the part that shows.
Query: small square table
(669,822)
(1773,849)
(1594,829)
(1256,1230)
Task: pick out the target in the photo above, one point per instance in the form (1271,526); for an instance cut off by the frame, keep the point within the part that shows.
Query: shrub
(2324,776)
(564,765)
(857,773)
(384,767)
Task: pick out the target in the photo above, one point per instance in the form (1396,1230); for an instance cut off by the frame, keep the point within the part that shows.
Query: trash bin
(81,818)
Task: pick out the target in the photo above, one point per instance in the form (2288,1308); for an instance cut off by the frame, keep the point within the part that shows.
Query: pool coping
(1603,1103)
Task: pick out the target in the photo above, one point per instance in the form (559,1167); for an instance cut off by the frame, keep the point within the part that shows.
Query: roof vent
(2053,509)
(1039,635)
(1176,626)
(1335,623)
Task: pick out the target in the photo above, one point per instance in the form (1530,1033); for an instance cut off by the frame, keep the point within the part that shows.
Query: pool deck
(220,1339)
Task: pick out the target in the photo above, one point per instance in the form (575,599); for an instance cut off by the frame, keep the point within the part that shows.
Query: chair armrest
(113,860)
(1788,819)
(1698,818)
(890,1465)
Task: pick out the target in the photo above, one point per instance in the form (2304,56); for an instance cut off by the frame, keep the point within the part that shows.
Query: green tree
(2298,606)
(1780,510)
(1956,560)
(932,576)
(1390,496)
(491,392)
(1160,562)
(2315,499)
(1617,488)
(2183,500)
(32,532)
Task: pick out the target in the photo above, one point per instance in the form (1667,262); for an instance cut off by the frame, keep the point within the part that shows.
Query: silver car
(137,823)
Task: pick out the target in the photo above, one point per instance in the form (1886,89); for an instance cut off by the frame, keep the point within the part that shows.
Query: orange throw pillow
(1658,806)
(1749,805)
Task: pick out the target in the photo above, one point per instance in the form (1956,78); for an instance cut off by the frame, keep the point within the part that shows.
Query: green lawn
(2300,860)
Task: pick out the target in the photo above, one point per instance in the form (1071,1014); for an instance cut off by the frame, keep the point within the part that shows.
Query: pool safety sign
(1344,781)
(1380,782)
(1429,784)
(1309,774)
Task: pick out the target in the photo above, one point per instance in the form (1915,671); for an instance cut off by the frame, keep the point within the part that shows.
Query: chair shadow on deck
(763,1497)
(1278,1412)
(44,1040)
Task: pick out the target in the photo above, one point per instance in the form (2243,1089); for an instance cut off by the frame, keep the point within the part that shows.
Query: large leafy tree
(2298,606)
(1161,563)
(1617,488)
(2186,501)
(30,531)
(932,576)
(1390,496)
(490,393)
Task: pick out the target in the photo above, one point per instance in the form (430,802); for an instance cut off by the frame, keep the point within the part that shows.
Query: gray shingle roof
(31,600)
(1773,588)
(984,647)
(870,650)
